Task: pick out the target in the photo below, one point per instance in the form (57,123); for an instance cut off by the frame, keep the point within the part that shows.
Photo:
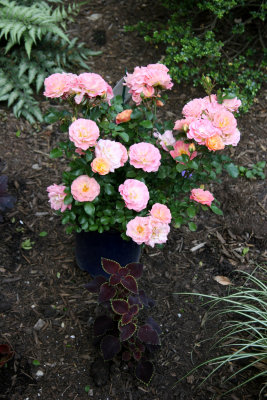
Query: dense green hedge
(222,39)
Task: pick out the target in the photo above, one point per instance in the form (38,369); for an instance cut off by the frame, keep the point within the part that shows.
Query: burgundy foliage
(119,330)
(6,200)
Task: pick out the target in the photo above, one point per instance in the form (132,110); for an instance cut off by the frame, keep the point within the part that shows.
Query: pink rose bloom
(92,85)
(83,133)
(202,196)
(157,75)
(56,196)
(79,151)
(201,129)
(56,85)
(225,121)
(194,108)
(145,155)
(135,194)
(139,229)
(165,140)
(85,188)
(232,104)
(211,106)
(161,213)
(159,232)
(180,148)
(232,138)
(113,152)
(183,124)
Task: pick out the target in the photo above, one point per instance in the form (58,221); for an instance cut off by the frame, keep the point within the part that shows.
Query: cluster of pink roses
(210,123)
(87,84)
(145,81)
(153,229)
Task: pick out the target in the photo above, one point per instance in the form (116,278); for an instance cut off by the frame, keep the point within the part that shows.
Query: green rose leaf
(191,211)
(147,124)
(232,170)
(56,153)
(215,209)
(89,208)
(119,205)
(124,136)
(180,167)
(192,226)
(68,199)
(104,220)
(109,189)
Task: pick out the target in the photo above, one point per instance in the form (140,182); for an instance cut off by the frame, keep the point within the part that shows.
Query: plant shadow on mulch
(44,283)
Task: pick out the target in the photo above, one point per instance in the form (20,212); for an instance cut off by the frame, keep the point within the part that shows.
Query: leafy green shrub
(221,39)
(34,45)
(243,336)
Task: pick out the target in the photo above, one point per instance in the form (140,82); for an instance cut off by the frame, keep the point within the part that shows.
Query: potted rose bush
(130,172)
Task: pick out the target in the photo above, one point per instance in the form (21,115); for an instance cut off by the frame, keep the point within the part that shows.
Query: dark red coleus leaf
(106,292)
(127,331)
(110,346)
(141,346)
(94,285)
(110,266)
(129,283)
(114,279)
(126,318)
(135,269)
(123,272)
(6,353)
(102,324)
(148,335)
(137,354)
(154,325)
(144,371)
(120,306)
(126,356)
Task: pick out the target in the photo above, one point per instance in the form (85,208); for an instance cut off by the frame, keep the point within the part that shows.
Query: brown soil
(45,283)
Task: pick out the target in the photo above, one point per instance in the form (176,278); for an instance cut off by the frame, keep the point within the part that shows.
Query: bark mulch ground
(44,283)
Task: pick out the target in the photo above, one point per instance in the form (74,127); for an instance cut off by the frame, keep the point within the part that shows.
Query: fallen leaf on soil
(223,280)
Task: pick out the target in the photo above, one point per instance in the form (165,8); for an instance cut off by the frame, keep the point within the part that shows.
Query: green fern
(46,50)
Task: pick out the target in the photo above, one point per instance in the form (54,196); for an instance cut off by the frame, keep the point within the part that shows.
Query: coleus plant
(6,200)
(118,330)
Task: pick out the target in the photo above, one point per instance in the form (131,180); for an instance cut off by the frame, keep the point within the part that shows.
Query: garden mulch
(58,360)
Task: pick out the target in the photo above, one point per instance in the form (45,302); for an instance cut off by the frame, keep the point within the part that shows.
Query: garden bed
(44,283)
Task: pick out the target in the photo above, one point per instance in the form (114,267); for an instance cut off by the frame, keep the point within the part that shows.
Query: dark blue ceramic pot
(91,246)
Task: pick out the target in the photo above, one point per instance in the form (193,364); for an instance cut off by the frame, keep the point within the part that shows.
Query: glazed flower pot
(91,246)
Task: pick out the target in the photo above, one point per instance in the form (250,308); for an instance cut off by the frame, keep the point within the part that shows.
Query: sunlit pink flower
(232,104)
(232,138)
(194,108)
(225,121)
(79,151)
(114,152)
(215,143)
(85,188)
(157,76)
(166,139)
(202,196)
(56,85)
(56,196)
(211,106)
(92,85)
(100,165)
(139,229)
(183,124)
(145,155)
(83,133)
(159,232)
(201,129)
(135,194)
(161,213)
(181,148)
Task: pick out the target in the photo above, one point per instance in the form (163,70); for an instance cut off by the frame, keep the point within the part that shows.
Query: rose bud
(124,116)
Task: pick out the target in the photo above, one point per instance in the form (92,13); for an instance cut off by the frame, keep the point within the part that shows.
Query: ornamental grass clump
(129,171)
(243,337)
(118,330)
